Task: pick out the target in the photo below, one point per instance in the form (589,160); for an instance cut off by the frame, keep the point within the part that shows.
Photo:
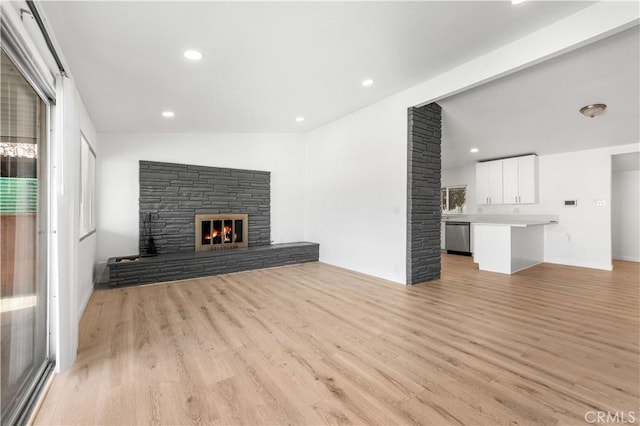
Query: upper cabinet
(520,180)
(508,181)
(489,182)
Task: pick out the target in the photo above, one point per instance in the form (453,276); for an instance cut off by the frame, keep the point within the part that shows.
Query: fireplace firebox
(221,231)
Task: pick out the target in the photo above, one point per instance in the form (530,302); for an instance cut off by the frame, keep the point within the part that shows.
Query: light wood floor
(315,344)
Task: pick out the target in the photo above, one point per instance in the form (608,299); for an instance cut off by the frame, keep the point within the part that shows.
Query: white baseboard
(84,304)
(601,266)
(627,258)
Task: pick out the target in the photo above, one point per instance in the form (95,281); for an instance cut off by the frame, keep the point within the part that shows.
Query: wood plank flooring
(316,344)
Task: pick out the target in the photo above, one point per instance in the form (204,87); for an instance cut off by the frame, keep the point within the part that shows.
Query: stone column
(423,193)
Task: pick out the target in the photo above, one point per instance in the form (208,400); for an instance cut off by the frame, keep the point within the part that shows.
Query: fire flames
(209,236)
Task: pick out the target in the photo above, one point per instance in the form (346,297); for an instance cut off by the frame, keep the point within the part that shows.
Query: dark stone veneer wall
(174,193)
(423,193)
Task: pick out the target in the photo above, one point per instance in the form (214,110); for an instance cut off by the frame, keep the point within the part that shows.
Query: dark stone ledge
(185,265)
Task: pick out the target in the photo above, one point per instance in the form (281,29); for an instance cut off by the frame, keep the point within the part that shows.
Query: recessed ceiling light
(517,1)
(168,114)
(367,82)
(473,150)
(299,119)
(193,55)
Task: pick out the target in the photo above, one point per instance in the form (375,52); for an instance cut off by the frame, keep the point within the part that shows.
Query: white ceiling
(269,62)
(536,110)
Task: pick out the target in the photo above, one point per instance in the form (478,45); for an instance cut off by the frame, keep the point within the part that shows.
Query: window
(87,188)
(453,200)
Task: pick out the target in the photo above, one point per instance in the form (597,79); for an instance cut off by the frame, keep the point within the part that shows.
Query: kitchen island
(508,246)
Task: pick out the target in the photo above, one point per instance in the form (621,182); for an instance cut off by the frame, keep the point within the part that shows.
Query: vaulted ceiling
(266,63)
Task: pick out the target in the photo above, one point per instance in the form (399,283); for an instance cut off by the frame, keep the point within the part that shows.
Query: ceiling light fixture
(193,55)
(473,150)
(593,110)
(168,114)
(299,119)
(367,82)
(517,1)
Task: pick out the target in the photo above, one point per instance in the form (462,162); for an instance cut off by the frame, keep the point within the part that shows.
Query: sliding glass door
(23,241)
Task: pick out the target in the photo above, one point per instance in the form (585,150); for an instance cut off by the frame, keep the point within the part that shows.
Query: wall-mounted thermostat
(570,203)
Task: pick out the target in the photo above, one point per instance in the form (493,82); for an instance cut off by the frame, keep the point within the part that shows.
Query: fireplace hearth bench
(184,265)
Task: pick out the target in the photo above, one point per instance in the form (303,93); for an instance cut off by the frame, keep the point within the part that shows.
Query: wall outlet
(599,203)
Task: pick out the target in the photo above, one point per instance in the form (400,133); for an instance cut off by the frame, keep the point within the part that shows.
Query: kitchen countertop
(515,223)
(503,220)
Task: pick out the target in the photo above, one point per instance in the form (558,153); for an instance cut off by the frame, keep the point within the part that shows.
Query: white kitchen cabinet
(508,181)
(489,182)
(520,180)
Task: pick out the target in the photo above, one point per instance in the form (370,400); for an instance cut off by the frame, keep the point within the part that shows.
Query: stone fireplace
(193,213)
(221,231)
(173,196)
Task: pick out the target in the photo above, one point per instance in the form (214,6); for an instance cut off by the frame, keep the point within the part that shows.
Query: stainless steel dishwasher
(458,238)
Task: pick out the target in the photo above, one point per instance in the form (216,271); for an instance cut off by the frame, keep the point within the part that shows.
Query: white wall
(356,166)
(625,215)
(356,190)
(73,279)
(87,248)
(583,235)
(118,185)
